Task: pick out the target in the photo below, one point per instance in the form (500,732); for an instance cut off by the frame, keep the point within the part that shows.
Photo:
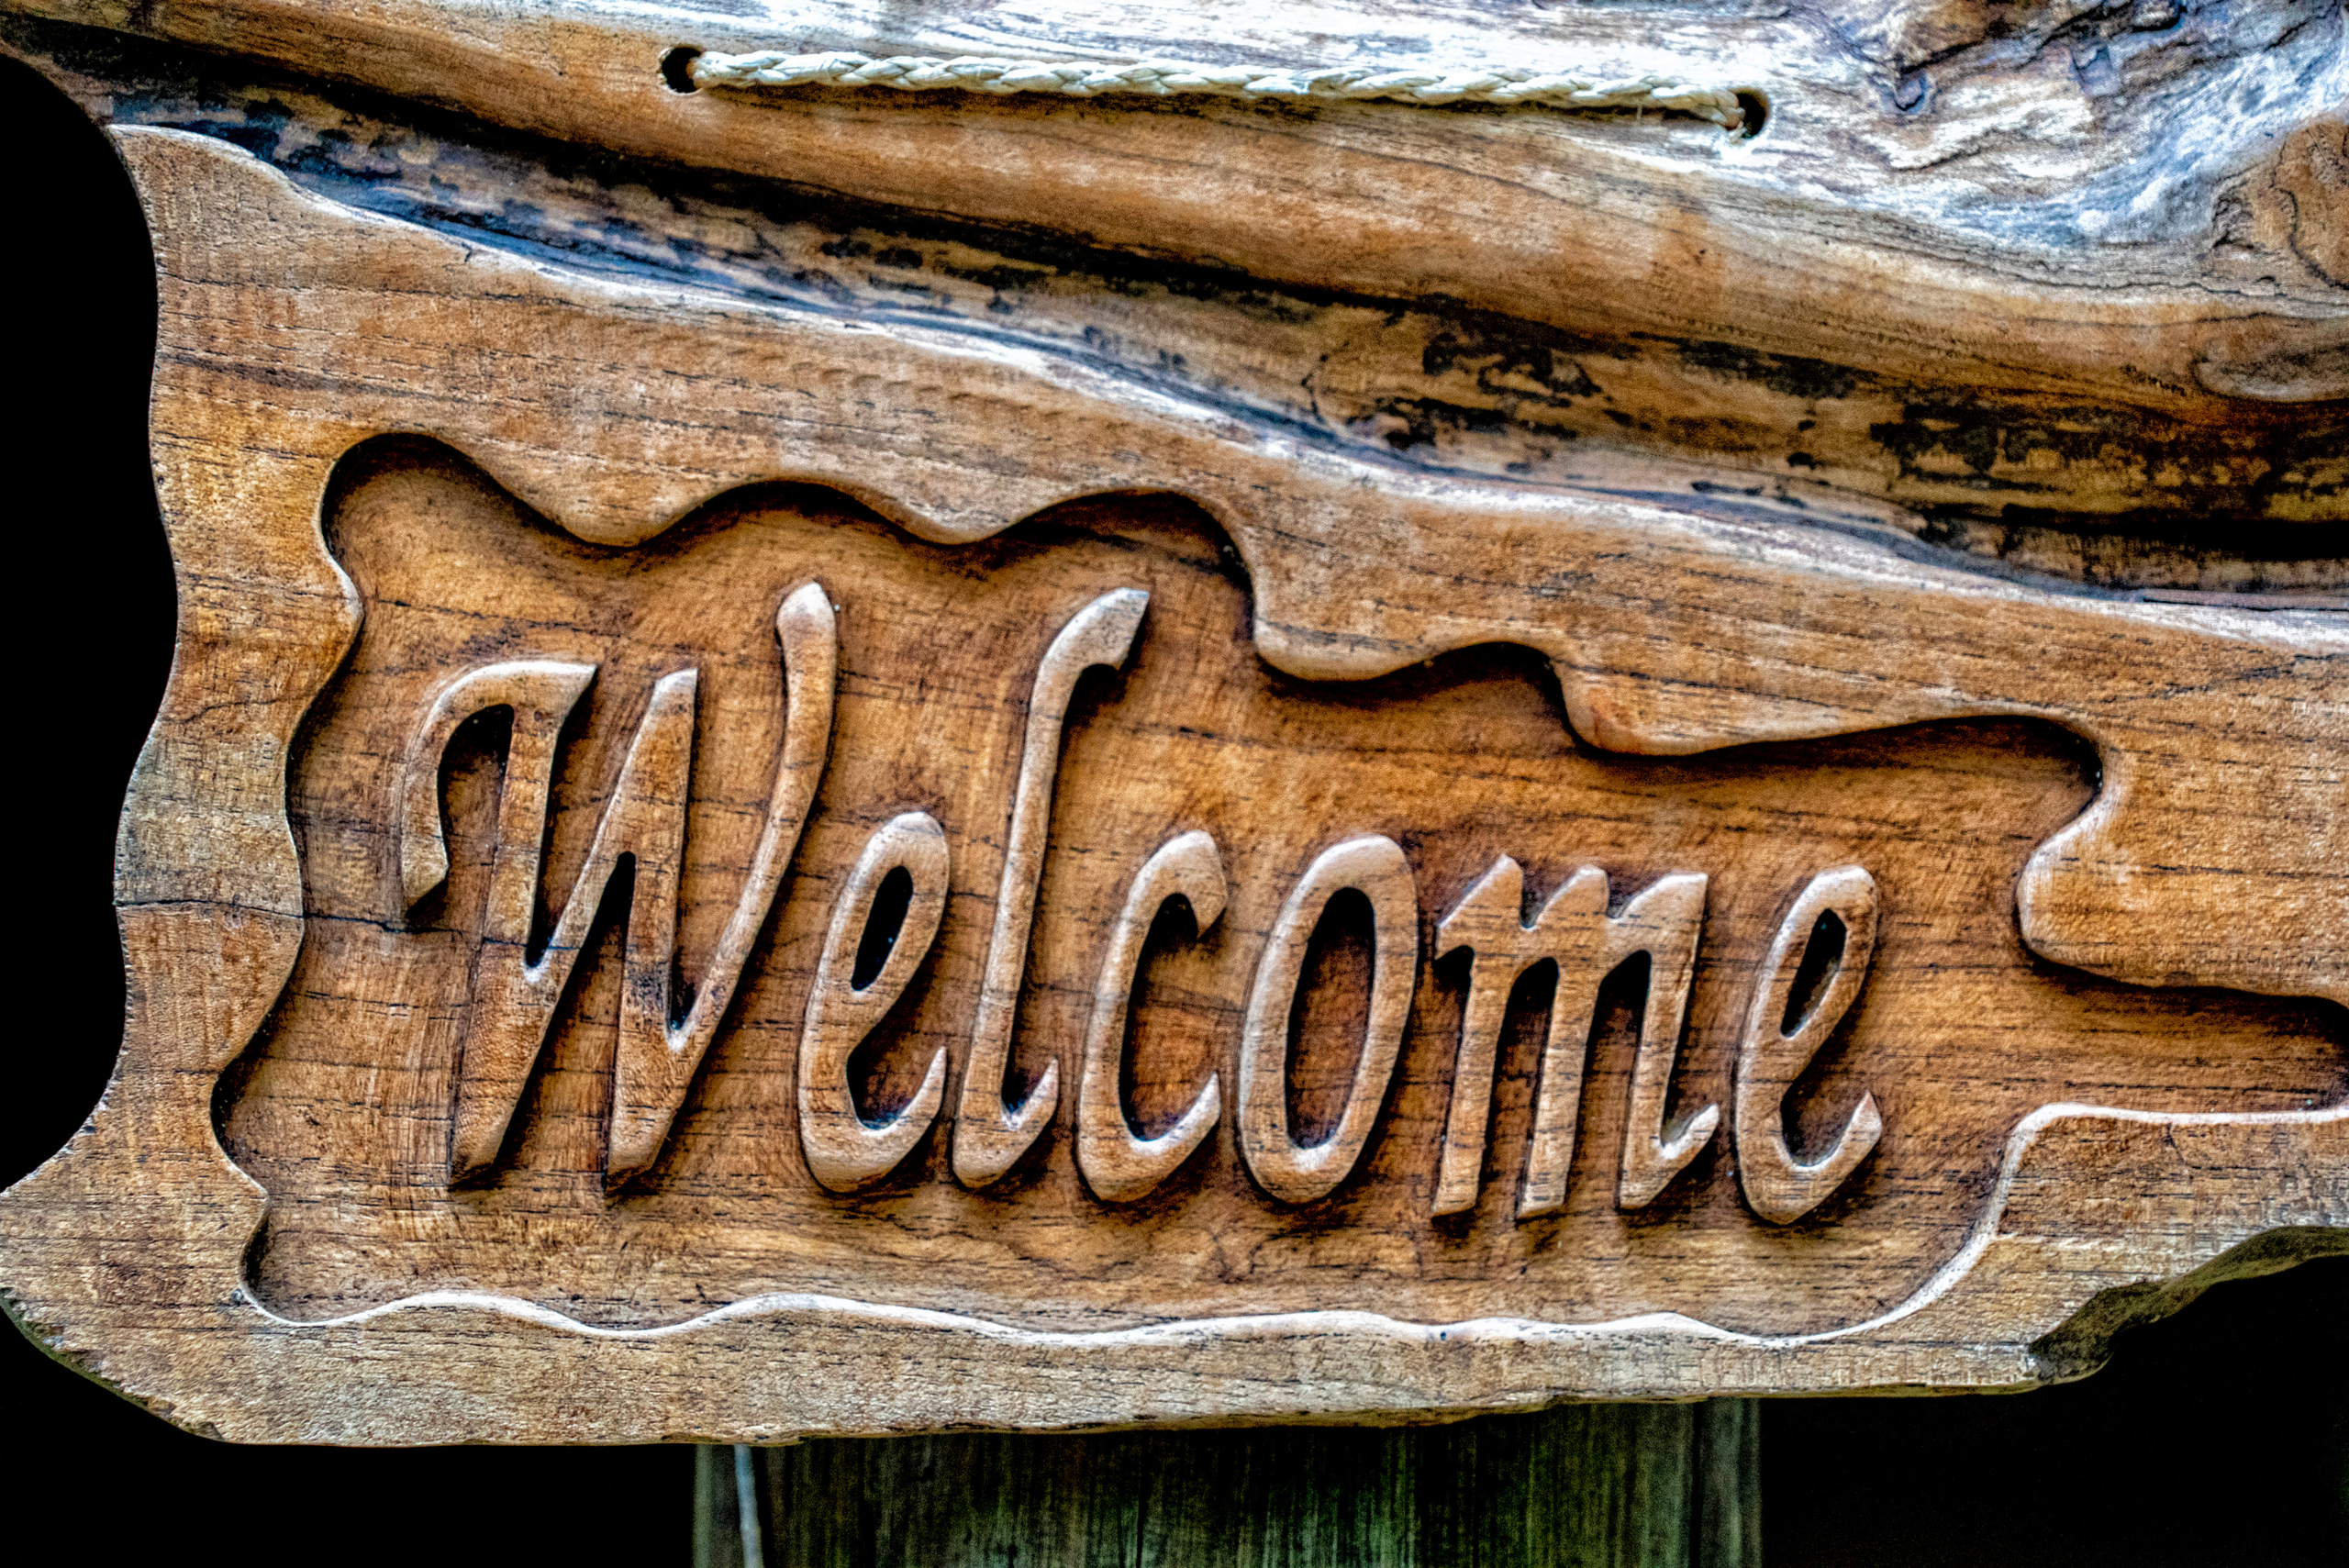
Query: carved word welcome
(514,996)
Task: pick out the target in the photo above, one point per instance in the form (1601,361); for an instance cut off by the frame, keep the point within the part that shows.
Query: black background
(2219,1436)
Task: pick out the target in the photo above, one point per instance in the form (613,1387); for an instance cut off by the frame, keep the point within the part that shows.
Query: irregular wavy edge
(1996,1362)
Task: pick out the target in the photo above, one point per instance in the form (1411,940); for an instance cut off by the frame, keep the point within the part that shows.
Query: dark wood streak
(2053,489)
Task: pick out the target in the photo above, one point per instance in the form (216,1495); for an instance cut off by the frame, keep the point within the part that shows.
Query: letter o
(1294,1172)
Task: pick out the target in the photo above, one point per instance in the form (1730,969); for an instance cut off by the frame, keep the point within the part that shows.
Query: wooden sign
(735,851)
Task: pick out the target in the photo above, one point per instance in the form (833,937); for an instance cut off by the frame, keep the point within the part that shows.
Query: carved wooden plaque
(1384,774)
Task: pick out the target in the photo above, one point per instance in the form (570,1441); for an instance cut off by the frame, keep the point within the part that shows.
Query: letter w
(514,997)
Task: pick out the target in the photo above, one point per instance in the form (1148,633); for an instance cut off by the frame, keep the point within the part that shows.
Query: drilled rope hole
(678,69)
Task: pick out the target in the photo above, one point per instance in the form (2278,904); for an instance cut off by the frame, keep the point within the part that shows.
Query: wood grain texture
(1877,218)
(1605,1486)
(2112,493)
(713,1187)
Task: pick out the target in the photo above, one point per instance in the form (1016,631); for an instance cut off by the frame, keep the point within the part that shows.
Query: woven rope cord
(1553,88)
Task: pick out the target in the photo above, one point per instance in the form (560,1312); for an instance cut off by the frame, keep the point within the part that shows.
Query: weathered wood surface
(1908,149)
(2113,490)
(1587,1485)
(651,832)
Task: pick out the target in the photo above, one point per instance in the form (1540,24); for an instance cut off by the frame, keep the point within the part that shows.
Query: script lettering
(1663,922)
(844,1150)
(1292,1172)
(989,1135)
(1573,930)
(900,882)
(1118,1164)
(1776,1048)
(515,998)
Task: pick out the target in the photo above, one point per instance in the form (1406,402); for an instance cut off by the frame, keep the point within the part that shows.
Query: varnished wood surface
(793,592)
